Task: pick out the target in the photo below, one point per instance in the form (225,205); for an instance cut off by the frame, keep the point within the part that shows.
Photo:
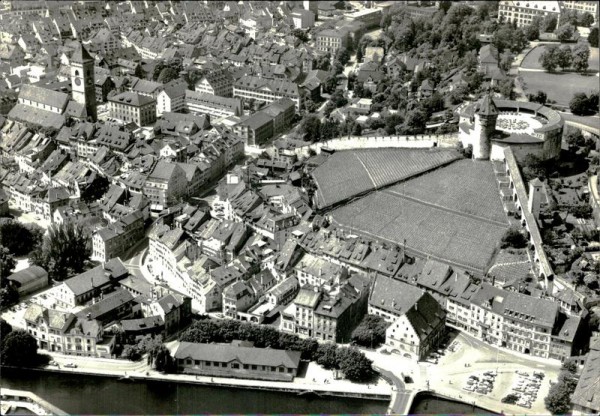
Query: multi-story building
(317,271)
(266,90)
(218,82)
(522,13)
(303,19)
(255,130)
(63,332)
(133,107)
(114,239)
(328,315)
(582,6)
(90,284)
(419,330)
(331,41)
(213,105)
(237,297)
(171,99)
(165,184)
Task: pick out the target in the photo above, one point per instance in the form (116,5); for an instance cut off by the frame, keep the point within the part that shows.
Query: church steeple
(83,81)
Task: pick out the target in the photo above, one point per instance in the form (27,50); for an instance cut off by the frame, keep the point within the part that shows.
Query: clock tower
(82,81)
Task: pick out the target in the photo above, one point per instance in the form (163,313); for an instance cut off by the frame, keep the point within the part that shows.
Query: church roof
(488,108)
(81,55)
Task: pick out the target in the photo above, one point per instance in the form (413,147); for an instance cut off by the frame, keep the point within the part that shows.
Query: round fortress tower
(485,126)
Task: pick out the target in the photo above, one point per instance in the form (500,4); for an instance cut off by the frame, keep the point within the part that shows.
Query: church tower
(485,126)
(82,81)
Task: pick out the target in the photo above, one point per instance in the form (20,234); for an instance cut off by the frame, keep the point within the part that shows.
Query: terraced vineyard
(465,186)
(449,235)
(349,173)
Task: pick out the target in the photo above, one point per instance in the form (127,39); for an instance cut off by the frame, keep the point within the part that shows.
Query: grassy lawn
(531,61)
(559,87)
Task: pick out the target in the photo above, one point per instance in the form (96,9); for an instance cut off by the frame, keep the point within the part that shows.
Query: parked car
(53,363)
(71,365)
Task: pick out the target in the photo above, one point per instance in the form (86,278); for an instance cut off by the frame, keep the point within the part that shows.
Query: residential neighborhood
(387,206)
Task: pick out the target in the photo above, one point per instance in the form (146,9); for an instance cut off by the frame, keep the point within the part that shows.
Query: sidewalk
(312,381)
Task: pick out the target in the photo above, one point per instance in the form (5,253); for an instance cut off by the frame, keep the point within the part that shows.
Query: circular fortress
(490,125)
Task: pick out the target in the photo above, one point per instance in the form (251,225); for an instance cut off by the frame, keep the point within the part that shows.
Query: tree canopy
(19,349)
(64,251)
(19,238)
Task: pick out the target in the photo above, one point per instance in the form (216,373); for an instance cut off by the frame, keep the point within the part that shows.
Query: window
(235,365)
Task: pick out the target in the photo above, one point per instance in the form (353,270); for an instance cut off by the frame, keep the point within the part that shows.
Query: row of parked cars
(525,389)
(481,383)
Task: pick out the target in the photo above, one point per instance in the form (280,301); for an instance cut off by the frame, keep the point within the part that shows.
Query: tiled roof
(44,96)
(132,98)
(394,296)
(227,353)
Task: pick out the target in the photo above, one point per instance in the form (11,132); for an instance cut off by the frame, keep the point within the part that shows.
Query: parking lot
(497,379)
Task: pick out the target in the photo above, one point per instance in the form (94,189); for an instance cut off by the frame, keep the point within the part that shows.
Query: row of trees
(157,354)
(565,57)
(351,361)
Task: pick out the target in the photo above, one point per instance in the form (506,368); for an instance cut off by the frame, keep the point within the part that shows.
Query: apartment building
(522,13)
(330,41)
(133,107)
(218,82)
(114,239)
(213,105)
(266,90)
(165,184)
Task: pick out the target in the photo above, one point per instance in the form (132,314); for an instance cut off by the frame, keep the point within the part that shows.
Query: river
(425,403)
(77,394)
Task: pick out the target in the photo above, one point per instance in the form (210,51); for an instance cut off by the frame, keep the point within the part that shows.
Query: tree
(338,98)
(538,97)
(513,238)
(534,167)
(549,58)
(326,356)
(342,56)
(580,105)
(5,329)
(565,32)
(548,24)
(558,401)
(564,57)
(355,365)
(19,349)
(323,62)
(581,56)
(163,361)
(301,35)
(581,211)
(593,37)
(532,31)
(8,296)
(357,129)
(586,20)
(415,121)
(7,264)
(370,332)
(64,251)
(167,75)
(391,122)
(20,238)
(311,127)
(329,130)
(96,189)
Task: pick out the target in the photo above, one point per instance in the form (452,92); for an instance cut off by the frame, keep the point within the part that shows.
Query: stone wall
(375,142)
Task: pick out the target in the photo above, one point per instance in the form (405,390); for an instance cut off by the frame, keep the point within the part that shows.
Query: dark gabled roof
(488,107)
(81,55)
(115,300)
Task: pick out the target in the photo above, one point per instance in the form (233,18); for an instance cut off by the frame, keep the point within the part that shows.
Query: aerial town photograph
(299,207)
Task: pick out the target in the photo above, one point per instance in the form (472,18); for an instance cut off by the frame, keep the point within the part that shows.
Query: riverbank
(82,394)
(312,380)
